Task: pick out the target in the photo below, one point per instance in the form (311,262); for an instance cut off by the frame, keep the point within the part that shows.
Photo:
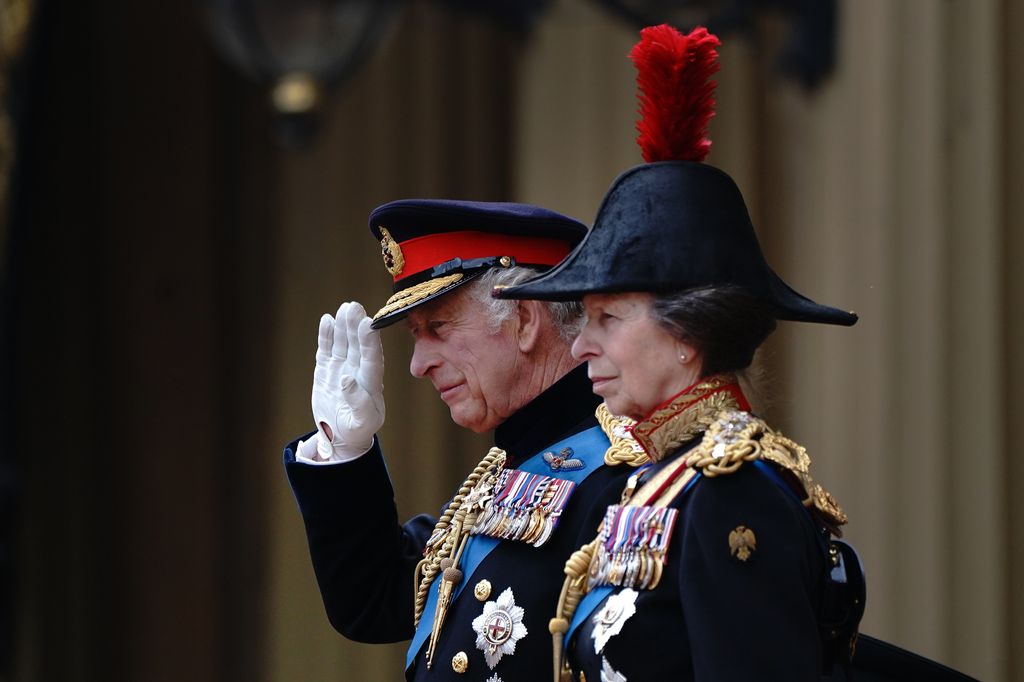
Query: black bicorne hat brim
(669,227)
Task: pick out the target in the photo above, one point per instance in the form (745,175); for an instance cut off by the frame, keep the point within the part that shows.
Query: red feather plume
(676,94)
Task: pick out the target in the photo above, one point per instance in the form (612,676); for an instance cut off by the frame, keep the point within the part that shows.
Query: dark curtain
(137,278)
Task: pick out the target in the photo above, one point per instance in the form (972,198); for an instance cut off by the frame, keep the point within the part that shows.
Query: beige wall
(893,190)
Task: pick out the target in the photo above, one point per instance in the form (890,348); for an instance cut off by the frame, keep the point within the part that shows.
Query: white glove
(348,384)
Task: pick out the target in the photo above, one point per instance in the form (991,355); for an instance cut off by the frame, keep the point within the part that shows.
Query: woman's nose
(583,347)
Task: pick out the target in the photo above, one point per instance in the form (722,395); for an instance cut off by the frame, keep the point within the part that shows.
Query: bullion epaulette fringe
(738,437)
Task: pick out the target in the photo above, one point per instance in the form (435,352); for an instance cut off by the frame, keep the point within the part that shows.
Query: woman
(717,563)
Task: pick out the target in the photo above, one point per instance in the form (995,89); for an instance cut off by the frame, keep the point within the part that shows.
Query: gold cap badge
(394,261)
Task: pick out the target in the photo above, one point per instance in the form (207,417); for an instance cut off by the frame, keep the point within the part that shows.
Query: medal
(526,507)
(631,547)
(499,627)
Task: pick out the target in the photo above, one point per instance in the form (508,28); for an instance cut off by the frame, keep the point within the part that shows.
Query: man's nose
(423,359)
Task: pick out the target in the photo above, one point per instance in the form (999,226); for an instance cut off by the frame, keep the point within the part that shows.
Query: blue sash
(594,598)
(589,446)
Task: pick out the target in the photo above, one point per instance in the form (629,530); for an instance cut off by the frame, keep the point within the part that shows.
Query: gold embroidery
(416,293)
(391,252)
(686,416)
(669,427)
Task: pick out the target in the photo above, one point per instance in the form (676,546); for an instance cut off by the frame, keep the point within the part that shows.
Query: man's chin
(475,423)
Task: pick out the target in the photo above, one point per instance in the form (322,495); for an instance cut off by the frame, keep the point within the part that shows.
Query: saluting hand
(348,384)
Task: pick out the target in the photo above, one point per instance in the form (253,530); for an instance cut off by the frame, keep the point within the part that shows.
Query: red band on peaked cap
(428,251)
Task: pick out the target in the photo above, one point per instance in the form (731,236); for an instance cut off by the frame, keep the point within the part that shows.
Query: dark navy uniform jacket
(714,617)
(364,558)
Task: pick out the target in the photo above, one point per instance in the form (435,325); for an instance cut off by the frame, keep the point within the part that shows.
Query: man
(489,573)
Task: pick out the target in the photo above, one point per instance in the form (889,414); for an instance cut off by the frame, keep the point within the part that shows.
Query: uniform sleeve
(363,558)
(752,619)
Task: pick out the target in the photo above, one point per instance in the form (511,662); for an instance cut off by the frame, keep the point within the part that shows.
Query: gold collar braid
(676,422)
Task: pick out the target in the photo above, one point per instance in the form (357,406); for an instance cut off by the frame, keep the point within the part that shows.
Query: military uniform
(713,573)
(364,560)
(483,592)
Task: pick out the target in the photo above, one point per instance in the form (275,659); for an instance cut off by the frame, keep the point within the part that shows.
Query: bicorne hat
(673,223)
(433,246)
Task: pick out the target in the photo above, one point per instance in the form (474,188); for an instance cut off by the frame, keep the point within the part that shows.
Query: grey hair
(567,315)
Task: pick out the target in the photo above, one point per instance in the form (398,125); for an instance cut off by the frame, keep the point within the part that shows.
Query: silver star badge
(499,627)
(609,620)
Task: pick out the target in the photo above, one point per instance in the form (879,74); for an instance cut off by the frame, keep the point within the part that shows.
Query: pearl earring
(682,358)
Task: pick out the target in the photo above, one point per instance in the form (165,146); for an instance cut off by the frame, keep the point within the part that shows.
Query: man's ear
(532,317)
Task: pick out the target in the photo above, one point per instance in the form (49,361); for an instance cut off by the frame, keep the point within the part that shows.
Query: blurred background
(184,189)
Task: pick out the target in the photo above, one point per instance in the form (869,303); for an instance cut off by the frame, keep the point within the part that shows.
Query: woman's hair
(567,315)
(726,324)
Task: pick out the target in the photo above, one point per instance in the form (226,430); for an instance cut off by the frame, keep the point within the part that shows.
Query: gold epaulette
(737,437)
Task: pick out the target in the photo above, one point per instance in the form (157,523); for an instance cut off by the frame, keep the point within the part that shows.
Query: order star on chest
(608,621)
(499,627)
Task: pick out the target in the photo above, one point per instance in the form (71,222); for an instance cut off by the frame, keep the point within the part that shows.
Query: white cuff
(307,453)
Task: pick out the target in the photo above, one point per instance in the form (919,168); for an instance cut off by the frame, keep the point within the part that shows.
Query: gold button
(505,261)
(460,662)
(482,590)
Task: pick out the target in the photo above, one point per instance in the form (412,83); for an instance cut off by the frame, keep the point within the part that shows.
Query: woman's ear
(687,354)
(531,316)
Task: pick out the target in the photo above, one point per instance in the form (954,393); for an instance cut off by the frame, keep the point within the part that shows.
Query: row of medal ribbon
(632,546)
(525,507)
